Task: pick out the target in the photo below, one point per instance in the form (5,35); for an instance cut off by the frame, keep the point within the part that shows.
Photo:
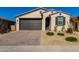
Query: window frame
(63,21)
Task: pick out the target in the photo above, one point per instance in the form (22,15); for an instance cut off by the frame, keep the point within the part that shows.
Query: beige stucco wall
(17,24)
(67,19)
(35,14)
(78,26)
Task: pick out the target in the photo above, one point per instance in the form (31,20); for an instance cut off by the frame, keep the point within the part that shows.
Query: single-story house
(42,19)
(6,23)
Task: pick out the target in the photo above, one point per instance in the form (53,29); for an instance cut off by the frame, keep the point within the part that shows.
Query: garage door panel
(30,21)
(30,24)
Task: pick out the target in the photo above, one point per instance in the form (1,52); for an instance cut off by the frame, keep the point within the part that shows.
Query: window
(60,20)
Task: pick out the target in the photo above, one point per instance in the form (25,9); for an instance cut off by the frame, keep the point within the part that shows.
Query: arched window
(60,20)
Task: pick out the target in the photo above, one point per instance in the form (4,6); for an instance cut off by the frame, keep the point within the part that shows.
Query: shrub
(8,30)
(2,31)
(69,30)
(71,39)
(50,33)
(61,34)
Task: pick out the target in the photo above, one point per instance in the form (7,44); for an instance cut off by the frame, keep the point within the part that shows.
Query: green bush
(50,33)
(71,39)
(61,34)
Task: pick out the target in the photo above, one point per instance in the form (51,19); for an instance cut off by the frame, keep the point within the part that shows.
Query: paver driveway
(26,37)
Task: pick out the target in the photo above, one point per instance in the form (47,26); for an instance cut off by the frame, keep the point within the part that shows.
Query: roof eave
(31,11)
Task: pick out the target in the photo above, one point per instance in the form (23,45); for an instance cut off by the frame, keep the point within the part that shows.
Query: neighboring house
(76,23)
(42,19)
(6,23)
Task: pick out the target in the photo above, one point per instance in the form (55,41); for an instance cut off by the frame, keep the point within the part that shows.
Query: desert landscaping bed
(57,39)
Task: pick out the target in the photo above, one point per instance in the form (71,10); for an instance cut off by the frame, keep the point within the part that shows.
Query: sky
(11,12)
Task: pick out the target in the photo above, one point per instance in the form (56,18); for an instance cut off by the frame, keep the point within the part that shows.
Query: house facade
(42,19)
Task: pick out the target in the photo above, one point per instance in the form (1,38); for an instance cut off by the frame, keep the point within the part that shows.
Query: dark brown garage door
(30,24)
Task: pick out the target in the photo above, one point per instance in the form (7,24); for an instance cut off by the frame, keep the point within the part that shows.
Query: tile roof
(2,18)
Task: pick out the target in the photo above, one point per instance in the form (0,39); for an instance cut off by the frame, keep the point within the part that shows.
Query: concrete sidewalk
(54,48)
